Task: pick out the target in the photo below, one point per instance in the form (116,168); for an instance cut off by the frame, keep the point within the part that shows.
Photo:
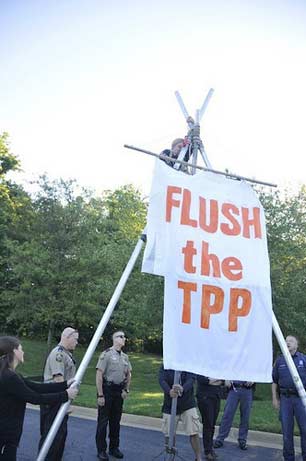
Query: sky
(79,79)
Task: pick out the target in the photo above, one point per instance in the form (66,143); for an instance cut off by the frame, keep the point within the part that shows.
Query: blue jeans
(244,397)
(291,407)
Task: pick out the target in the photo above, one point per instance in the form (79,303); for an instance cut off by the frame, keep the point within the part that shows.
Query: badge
(59,357)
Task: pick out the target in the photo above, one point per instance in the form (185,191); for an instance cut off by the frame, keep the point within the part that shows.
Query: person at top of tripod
(181,148)
(177,145)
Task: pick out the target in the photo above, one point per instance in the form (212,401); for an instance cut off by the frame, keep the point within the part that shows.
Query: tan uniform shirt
(114,365)
(59,362)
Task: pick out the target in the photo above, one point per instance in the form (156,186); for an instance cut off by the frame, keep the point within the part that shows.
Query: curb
(255,438)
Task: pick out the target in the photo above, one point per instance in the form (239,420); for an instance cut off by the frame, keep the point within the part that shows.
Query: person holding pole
(60,366)
(113,380)
(286,399)
(176,146)
(186,407)
(16,391)
(181,148)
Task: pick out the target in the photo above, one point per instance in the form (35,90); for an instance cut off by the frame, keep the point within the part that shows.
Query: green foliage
(63,251)
(66,265)
(56,276)
(8,161)
(15,205)
(286,227)
(126,213)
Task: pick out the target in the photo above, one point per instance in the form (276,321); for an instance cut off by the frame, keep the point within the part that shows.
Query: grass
(145,397)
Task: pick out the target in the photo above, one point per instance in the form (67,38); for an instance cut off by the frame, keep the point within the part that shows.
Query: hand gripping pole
(171,450)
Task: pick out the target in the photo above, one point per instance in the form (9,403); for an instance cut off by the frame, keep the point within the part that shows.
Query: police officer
(208,396)
(240,393)
(60,366)
(113,379)
(286,399)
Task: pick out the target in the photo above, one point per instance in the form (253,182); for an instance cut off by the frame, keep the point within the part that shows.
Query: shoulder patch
(59,357)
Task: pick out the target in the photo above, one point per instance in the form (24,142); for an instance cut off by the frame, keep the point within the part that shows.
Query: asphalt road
(137,444)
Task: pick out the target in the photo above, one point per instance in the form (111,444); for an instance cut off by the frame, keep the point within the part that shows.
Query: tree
(51,266)
(286,228)
(15,204)
(126,213)
(77,247)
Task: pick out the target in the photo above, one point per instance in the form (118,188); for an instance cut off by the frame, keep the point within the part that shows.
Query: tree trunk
(49,343)
(50,335)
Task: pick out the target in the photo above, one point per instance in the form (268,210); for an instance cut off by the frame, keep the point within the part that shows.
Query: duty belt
(288,392)
(240,386)
(113,386)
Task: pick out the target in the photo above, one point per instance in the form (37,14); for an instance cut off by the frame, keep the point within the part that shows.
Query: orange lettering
(207,259)
(208,307)
(248,222)
(185,217)
(170,201)
(237,294)
(189,252)
(188,287)
(228,210)
(229,265)
(213,215)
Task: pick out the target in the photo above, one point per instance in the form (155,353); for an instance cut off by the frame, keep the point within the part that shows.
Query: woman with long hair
(16,391)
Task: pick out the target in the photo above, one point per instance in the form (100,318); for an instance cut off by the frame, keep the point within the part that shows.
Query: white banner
(206,235)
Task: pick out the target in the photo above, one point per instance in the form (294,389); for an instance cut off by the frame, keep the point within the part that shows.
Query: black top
(204,388)
(15,392)
(171,162)
(187,400)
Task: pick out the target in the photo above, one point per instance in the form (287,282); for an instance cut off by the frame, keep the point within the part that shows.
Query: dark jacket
(171,162)
(15,392)
(205,389)
(187,400)
(281,374)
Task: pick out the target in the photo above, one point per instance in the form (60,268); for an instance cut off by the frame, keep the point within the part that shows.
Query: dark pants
(244,397)
(109,414)
(47,416)
(8,451)
(209,406)
(291,407)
